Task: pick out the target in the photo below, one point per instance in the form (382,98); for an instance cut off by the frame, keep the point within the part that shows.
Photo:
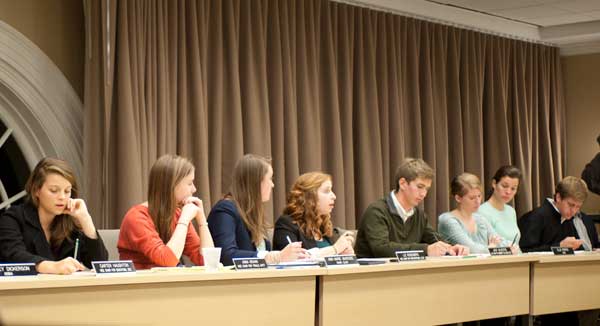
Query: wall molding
(38,102)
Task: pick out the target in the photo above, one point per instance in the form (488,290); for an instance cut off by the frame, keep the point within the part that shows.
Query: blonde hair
(248,175)
(165,174)
(572,187)
(62,225)
(462,183)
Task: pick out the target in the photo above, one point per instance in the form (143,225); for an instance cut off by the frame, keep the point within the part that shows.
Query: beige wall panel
(582,97)
(56,27)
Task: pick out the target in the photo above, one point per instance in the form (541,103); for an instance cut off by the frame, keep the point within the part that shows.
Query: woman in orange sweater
(159,231)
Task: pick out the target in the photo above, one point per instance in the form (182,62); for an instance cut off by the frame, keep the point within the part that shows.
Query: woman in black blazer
(307,218)
(50,224)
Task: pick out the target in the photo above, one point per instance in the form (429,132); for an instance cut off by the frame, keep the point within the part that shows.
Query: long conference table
(430,292)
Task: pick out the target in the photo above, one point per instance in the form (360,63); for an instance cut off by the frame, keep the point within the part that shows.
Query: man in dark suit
(591,173)
(559,223)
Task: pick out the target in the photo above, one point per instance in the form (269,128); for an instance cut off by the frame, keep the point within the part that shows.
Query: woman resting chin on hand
(45,229)
(159,231)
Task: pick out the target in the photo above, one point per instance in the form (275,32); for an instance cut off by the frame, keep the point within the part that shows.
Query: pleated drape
(315,85)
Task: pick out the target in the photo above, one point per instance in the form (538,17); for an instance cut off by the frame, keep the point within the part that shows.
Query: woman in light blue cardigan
(496,210)
(463,225)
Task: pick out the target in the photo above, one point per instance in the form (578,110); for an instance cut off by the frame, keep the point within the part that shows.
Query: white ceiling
(542,13)
(572,25)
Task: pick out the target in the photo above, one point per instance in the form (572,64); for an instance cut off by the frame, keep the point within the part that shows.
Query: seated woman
(50,224)
(237,222)
(159,231)
(463,225)
(501,216)
(307,218)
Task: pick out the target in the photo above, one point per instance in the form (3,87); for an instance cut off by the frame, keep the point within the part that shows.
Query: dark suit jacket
(230,233)
(22,240)
(285,227)
(591,174)
(541,229)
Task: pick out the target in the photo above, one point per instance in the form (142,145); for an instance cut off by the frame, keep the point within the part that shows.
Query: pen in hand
(76,248)
(437,239)
(515,239)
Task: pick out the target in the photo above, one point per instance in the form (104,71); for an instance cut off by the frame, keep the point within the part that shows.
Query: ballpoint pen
(515,239)
(76,248)
(446,253)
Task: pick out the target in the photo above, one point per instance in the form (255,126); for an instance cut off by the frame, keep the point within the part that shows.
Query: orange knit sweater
(139,241)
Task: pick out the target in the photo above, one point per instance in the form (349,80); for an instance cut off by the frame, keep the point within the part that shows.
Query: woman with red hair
(307,218)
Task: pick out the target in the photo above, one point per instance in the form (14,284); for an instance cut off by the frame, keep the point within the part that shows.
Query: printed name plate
(500,251)
(24,269)
(562,251)
(113,267)
(340,260)
(249,263)
(410,255)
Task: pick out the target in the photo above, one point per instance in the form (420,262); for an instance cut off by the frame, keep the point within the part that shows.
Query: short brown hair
(572,187)
(410,169)
(462,183)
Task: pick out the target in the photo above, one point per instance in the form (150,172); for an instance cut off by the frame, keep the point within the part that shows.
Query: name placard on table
(22,269)
(500,251)
(562,251)
(410,255)
(113,267)
(340,260)
(249,263)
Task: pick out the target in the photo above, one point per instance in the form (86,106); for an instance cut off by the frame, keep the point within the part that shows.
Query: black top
(22,240)
(591,175)
(541,229)
(285,227)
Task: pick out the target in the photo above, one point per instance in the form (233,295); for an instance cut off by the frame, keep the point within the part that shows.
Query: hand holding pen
(514,248)
(293,251)
(66,266)
(439,248)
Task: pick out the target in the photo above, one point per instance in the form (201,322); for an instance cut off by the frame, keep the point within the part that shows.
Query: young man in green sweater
(395,223)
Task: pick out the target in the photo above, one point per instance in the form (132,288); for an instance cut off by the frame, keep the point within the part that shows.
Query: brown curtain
(98,106)
(316,85)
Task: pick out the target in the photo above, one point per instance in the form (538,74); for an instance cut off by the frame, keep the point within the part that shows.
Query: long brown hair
(248,175)
(165,174)
(62,225)
(302,205)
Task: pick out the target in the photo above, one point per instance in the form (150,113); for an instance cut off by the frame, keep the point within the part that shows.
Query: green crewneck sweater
(382,232)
